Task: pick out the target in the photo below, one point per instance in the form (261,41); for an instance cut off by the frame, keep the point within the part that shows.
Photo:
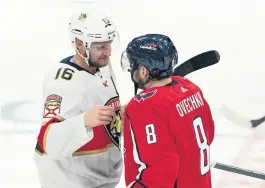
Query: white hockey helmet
(91,26)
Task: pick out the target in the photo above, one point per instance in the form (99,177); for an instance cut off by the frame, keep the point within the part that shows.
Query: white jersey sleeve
(63,130)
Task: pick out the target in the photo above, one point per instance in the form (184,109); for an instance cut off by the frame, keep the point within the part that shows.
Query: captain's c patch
(52,106)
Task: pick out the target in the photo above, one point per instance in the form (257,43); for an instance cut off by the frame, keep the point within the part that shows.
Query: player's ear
(142,70)
(145,72)
(79,43)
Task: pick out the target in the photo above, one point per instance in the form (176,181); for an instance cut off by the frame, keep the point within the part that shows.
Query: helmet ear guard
(155,71)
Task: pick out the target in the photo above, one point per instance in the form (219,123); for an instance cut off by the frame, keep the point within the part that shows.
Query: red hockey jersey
(167,135)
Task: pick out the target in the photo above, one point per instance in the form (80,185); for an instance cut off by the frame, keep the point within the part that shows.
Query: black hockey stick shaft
(195,63)
(257,122)
(241,171)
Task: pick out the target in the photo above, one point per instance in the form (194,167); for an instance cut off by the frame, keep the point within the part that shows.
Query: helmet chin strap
(87,60)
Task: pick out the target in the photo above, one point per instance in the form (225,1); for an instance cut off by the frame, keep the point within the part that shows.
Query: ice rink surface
(34,36)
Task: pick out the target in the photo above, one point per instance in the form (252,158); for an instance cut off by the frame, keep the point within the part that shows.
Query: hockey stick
(239,120)
(237,170)
(195,63)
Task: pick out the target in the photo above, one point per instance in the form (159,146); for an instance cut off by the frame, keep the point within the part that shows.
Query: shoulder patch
(143,96)
(52,106)
(114,128)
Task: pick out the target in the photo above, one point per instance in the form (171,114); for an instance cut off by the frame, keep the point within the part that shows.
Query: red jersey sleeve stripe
(44,132)
(137,157)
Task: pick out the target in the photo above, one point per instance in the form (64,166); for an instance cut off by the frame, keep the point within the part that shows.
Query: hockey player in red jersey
(168,127)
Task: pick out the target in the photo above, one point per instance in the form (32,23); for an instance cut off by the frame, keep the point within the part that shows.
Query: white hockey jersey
(67,154)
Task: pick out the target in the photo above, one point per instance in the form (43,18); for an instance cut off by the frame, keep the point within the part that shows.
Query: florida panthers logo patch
(52,106)
(114,128)
(82,17)
(144,96)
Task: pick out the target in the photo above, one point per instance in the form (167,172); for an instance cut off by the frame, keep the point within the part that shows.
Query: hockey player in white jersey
(78,145)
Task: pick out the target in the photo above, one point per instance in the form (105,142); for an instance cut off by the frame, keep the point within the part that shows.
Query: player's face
(100,53)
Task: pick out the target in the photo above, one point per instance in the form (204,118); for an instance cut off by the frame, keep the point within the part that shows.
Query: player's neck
(159,83)
(82,63)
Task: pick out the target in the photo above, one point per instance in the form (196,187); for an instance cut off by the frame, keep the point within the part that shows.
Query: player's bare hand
(99,115)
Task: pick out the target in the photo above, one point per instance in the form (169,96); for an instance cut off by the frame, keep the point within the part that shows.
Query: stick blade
(234,117)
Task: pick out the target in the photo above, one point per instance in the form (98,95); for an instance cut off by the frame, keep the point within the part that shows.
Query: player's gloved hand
(99,115)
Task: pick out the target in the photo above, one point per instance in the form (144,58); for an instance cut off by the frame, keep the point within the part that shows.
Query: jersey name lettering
(189,104)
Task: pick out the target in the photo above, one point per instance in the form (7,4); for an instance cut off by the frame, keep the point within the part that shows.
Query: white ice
(33,36)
